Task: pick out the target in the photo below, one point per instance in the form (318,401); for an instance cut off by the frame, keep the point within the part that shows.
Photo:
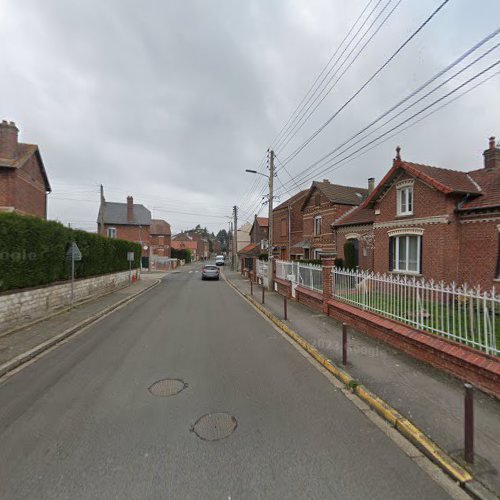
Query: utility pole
(235,239)
(230,242)
(270,242)
(101,215)
(289,232)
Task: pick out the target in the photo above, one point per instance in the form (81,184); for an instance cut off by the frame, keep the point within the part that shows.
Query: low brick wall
(283,287)
(467,364)
(312,299)
(21,307)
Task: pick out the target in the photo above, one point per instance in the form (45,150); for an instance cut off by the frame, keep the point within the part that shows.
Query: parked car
(210,272)
(219,260)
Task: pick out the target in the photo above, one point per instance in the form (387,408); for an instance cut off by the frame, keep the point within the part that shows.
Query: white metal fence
(261,271)
(464,314)
(307,275)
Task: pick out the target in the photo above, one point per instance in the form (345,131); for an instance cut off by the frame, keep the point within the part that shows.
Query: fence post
(251,286)
(273,264)
(263,292)
(469,424)
(344,344)
(327,281)
(285,307)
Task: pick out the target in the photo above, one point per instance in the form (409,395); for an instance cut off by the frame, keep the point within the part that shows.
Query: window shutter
(391,253)
(420,263)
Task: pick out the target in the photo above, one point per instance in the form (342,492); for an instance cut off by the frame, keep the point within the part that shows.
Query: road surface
(80,422)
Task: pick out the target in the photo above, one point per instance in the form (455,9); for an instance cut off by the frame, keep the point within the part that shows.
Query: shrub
(184,254)
(33,252)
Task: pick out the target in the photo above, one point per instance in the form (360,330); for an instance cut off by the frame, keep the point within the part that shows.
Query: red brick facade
(23,180)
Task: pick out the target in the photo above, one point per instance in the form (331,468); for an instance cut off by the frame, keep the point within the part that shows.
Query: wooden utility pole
(235,239)
(270,242)
(101,215)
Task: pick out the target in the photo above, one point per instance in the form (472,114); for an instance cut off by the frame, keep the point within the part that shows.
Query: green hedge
(182,254)
(33,252)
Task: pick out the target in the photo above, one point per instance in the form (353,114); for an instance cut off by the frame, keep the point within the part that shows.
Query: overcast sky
(170,101)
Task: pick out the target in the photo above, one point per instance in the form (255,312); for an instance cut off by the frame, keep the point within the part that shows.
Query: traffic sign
(73,252)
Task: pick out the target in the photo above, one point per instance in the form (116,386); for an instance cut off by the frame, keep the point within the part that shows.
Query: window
(317,225)
(405,200)
(112,232)
(405,252)
(283,227)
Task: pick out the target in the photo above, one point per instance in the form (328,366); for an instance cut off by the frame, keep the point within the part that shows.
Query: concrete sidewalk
(429,398)
(21,345)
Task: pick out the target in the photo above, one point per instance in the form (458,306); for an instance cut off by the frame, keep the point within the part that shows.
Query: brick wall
(366,244)
(30,196)
(7,187)
(296,227)
(329,212)
(20,308)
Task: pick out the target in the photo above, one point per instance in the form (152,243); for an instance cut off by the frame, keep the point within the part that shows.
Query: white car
(219,260)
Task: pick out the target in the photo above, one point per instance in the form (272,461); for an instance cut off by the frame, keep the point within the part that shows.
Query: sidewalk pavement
(21,345)
(429,398)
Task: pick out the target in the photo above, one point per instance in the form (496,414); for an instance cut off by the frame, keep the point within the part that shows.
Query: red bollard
(251,287)
(469,424)
(344,344)
(285,308)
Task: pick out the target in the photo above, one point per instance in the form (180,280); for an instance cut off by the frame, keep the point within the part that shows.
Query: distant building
(131,221)
(243,235)
(183,241)
(24,184)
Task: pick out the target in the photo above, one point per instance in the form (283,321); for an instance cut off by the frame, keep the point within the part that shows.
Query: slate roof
(336,193)
(489,182)
(116,213)
(24,153)
(294,199)
(159,227)
(355,216)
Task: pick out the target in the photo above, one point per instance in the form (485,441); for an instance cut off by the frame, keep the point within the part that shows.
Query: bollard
(251,287)
(285,308)
(344,344)
(469,424)
(263,293)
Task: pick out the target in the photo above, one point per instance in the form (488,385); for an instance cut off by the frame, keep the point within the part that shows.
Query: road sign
(130,256)
(73,252)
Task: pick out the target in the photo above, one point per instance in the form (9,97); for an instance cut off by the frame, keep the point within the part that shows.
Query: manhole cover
(215,426)
(167,387)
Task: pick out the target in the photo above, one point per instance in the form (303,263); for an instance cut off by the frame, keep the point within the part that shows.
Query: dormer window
(405,198)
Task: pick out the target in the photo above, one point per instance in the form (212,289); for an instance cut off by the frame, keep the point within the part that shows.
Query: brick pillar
(327,281)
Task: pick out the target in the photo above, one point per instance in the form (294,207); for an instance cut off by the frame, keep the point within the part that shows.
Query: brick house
(24,184)
(433,222)
(259,239)
(183,241)
(202,246)
(323,203)
(288,226)
(131,221)
(161,238)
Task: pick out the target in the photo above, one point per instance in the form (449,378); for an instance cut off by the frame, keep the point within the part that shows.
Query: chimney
(326,180)
(8,140)
(492,155)
(371,184)
(130,209)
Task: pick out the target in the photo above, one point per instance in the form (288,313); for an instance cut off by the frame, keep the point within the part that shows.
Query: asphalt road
(81,423)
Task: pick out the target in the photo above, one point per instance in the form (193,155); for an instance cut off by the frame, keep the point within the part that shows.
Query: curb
(35,351)
(398,421)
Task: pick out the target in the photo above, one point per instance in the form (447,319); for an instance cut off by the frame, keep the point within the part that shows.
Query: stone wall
(24,306)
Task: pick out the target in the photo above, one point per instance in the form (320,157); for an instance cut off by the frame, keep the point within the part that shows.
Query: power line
(372,77)
(351,156)
(317,164)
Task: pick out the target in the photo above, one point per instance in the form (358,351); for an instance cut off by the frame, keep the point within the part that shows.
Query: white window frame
(406,188)
(111,232)
(317,221)
(395,254)
(317,253)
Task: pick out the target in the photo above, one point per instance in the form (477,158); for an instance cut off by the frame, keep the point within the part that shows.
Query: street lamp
(270,217)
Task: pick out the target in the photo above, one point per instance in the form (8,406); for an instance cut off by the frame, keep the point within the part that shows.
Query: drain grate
(215,426)
(167,387)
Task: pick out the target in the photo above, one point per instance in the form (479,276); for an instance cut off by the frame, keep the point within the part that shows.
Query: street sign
(73,252)
(130,256)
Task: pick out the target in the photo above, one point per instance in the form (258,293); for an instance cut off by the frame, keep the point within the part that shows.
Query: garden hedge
(33,252)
